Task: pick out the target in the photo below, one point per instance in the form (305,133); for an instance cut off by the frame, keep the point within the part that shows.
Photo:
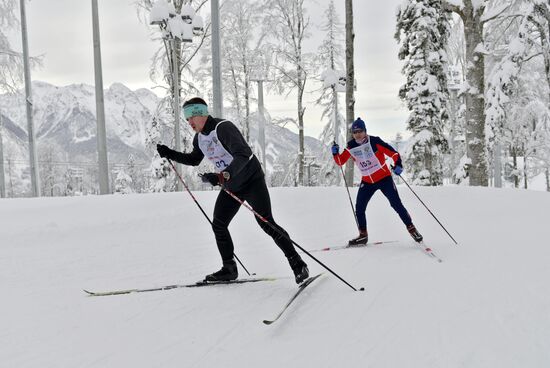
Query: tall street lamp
(101,136)
(178,23)
(35,177)
(2,181)
(217,100)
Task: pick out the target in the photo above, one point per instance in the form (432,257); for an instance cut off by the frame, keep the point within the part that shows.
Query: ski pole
(263,219)
(440,224)
(347,189)
(198,205)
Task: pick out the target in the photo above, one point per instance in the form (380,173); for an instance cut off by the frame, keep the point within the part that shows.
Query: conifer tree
(423,29)
(123,183)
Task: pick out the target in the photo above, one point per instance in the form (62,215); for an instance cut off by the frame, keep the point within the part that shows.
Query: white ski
(300,289)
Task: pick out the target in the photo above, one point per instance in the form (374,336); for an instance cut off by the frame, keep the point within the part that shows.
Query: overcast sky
(61,30)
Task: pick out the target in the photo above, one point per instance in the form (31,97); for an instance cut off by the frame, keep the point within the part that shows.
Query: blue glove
(335,149)
(397,170)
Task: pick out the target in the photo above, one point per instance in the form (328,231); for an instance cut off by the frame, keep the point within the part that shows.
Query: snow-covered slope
(486,305)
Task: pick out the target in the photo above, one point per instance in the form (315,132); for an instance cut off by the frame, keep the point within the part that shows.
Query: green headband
(195,110)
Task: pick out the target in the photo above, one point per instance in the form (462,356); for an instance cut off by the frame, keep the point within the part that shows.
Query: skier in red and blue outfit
(369,154)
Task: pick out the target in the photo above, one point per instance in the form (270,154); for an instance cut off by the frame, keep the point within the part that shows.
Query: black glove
(165,152)
(212,178)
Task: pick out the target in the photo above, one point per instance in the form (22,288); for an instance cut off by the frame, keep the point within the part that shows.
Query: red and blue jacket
(381,149)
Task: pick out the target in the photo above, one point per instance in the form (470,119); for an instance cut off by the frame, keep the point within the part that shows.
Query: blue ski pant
(388,188)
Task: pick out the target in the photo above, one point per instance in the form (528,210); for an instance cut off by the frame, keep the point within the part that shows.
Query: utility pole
(336,125)
(217,102)
(177,104)
(178,23)
(101,135)
(350,81)
(335,107)
(35,177)
(261,125)
(2,178)
(497,169)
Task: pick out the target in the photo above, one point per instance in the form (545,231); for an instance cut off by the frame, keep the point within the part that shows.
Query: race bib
(365,159)
(214,151)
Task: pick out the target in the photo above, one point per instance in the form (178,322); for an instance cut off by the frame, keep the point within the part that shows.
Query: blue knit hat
(358,124)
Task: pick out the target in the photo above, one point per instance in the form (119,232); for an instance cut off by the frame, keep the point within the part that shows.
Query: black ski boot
(299,267)
(228,272)
(362,239)
(414,233)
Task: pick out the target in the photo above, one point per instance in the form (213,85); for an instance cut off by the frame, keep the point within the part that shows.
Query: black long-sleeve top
(244,168)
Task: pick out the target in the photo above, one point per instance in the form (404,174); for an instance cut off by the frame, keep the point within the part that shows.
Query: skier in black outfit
(240,172)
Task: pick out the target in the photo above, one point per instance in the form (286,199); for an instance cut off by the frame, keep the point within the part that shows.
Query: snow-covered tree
(243,40)
(11,60)
(457,162)
(422,29)
(123,183)
(475,14)
(455,127)
(471,12)
(502,83)
(330,59)
(67,182)
(163,63)
(289,26)
(539,17)
(514,91)
(11,181)
(160,168)
(51,173)
(456,47)
(526,137)
(160,71)
(160,171)
(133,173)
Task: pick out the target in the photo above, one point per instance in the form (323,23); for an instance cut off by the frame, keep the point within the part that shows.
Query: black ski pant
(257,196)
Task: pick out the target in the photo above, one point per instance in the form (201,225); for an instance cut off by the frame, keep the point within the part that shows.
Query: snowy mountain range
(66,118)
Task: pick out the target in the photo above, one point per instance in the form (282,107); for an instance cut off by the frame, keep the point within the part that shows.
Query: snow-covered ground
(486,305)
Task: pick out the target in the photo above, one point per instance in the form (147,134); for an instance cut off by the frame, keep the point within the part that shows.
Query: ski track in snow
(486,305)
